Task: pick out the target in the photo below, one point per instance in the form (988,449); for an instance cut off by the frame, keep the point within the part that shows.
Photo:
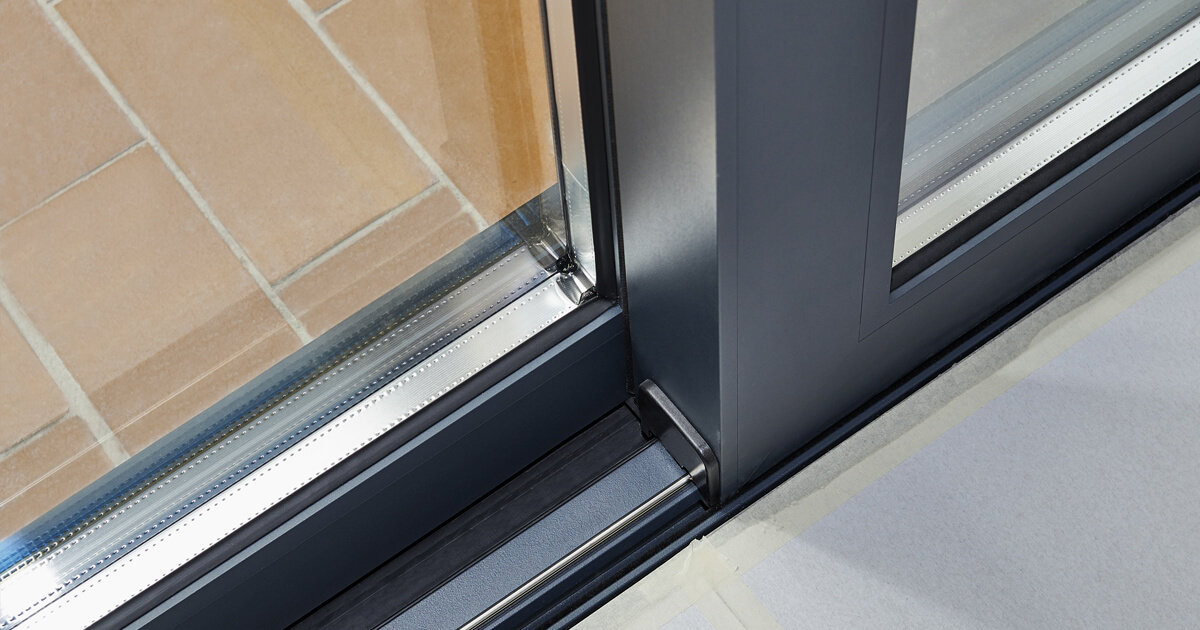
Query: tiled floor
(189,191)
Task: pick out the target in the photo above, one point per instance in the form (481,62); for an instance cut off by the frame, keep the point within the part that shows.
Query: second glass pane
(1000,90)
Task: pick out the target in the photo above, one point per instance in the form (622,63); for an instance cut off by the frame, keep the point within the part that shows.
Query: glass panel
(1003,90)
(574,175)
(191,192)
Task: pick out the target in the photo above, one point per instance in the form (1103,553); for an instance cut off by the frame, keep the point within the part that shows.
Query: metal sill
(523,544)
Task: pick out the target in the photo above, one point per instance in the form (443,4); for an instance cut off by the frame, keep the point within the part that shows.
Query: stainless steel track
(576,554)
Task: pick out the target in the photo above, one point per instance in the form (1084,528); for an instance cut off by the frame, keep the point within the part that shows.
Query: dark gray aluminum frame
(757,150)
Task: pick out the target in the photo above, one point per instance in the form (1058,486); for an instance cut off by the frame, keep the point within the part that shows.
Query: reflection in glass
(246,178)
(1002,90)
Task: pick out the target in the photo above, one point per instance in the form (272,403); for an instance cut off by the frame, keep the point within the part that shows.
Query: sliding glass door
(784,215)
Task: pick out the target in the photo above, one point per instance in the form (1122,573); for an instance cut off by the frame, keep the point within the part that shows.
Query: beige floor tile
(273,132)
(469,79)
(56,122)
(137,293)
(29,399)
(45,471)
(381,260)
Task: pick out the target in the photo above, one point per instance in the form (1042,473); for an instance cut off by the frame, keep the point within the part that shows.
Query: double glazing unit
(785,216)
(190,491)
(1002,94)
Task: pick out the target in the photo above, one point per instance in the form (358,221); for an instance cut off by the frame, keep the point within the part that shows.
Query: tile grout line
(77,399)
(310,18)
(263,284)
(77,181)
(356,236)
(323,12)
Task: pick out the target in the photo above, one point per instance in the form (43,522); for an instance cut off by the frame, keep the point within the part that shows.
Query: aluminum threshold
(550,573)
(545,560)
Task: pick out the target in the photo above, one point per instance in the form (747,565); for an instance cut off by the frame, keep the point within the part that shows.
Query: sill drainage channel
(226,487)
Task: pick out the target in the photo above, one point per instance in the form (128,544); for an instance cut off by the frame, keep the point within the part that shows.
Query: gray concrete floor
(1047,480)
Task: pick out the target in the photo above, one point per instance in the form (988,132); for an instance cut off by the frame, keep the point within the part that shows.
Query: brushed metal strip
(1062,130)
(579,552)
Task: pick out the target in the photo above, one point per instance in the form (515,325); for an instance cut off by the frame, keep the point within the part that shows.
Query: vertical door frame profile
(759,148)
(664,92)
